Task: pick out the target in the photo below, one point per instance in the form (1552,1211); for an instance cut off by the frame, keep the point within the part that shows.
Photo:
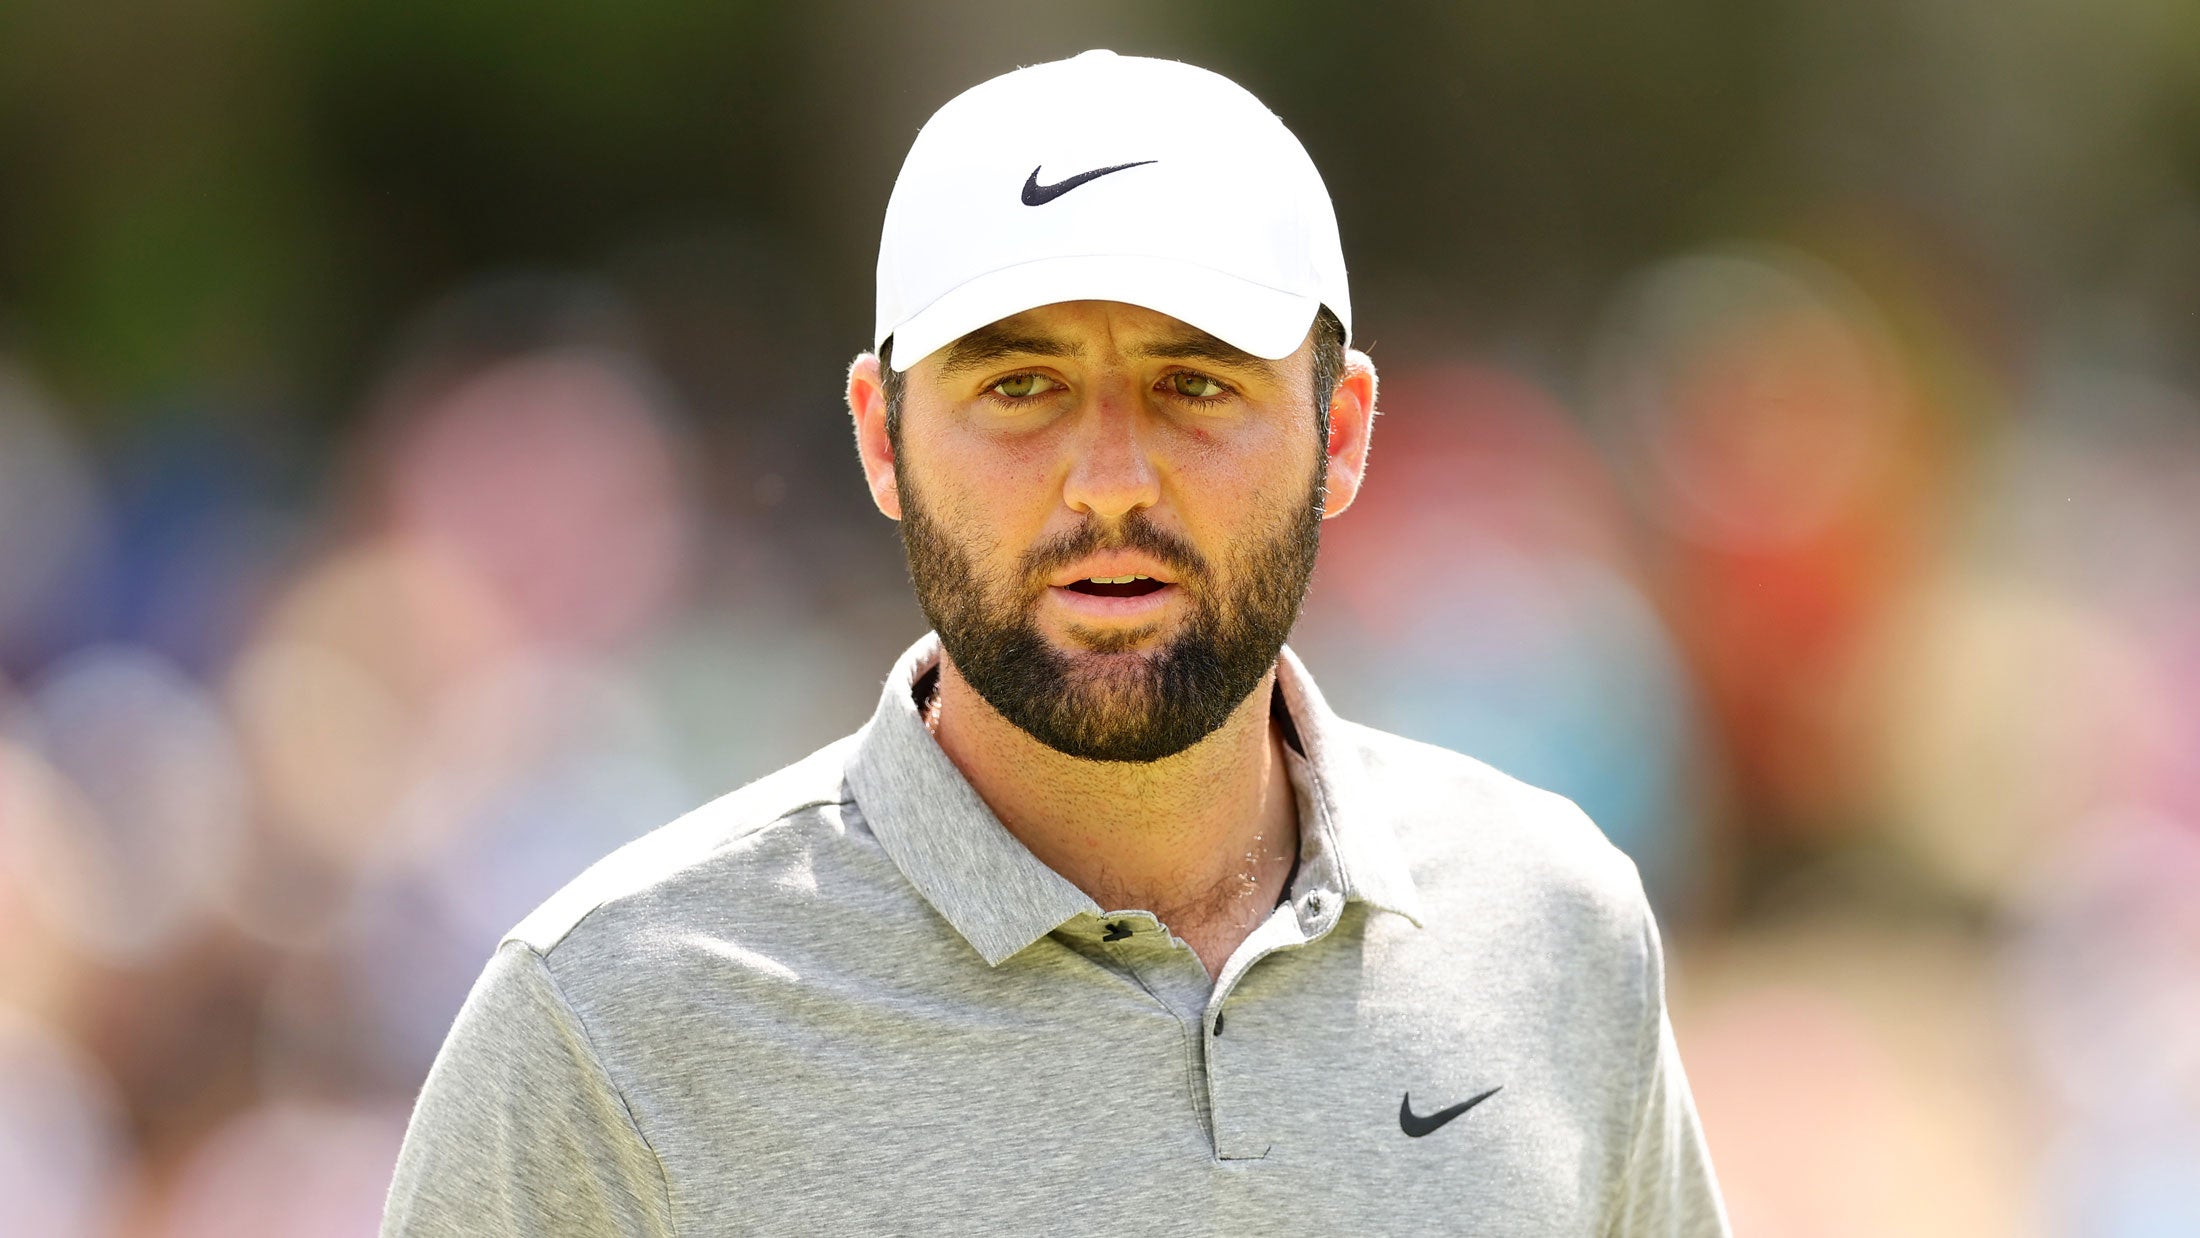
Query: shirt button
(1314,904)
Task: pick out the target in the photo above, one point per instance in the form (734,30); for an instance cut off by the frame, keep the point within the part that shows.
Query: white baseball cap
(1112,178)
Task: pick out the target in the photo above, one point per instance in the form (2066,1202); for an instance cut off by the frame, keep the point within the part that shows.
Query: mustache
(1135,531)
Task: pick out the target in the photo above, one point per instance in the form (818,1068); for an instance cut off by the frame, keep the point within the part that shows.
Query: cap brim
(1263,321)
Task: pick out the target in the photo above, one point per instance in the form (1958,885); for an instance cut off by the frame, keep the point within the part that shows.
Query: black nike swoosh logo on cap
(1036,194)
(1415,1125)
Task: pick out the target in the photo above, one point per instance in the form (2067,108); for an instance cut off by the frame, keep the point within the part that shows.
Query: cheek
(1249,471)
(1018,471)
(989,505)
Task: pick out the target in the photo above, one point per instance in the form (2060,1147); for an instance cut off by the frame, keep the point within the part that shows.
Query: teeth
(1116,580)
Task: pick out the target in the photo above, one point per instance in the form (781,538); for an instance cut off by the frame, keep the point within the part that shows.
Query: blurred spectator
(1781,454)
(444,708)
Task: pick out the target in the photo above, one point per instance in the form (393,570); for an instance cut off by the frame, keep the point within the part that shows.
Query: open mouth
(1116,589)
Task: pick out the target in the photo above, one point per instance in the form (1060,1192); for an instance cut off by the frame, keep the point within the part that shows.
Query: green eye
(1019,386)
(1194,386)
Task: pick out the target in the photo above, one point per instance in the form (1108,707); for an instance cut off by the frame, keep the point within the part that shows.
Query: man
(1104,923)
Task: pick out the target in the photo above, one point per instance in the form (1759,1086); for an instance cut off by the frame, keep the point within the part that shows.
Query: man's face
(1097,439)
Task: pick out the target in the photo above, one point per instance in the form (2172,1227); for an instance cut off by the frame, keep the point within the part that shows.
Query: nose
(1112,472)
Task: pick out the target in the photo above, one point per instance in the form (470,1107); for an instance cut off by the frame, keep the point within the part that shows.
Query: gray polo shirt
(845,1000)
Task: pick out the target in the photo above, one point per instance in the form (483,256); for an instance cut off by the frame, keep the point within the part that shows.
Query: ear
(1351,421)
(867,405)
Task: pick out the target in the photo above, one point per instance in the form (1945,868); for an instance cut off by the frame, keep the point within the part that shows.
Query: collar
(1002,898)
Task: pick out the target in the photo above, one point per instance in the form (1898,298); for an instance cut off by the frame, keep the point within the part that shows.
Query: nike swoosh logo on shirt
(1036,194)
(1415,1125)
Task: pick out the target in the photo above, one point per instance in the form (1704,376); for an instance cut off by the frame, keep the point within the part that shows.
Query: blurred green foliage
(242,196)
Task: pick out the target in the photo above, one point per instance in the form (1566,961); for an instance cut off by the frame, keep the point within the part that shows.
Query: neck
(1203,839)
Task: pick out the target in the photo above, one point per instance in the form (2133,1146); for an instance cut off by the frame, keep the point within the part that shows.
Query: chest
(1070,1093)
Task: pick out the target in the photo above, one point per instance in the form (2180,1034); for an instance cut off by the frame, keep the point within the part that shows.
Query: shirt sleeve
(519,1131)
(1668,1190)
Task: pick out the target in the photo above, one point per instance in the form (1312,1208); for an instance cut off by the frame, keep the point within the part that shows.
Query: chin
(1114,643)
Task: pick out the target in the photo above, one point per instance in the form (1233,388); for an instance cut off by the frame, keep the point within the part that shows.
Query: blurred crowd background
(421,470)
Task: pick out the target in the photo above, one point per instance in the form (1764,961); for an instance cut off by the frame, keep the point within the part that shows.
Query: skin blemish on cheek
(1011,468)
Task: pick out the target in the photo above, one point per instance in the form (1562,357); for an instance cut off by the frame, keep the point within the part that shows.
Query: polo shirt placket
(1239,1071)
(1222,1073)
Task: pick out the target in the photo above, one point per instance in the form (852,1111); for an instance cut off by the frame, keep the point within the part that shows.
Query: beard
(1116,703)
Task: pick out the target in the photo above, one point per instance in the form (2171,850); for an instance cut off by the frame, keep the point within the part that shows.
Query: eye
(1024,386)
(1194,386)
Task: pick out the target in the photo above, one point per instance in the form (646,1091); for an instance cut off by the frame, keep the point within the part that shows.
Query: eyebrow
(1200,346)
(986,345)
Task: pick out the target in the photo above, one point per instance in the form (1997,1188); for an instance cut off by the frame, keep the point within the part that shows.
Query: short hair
(1328,372)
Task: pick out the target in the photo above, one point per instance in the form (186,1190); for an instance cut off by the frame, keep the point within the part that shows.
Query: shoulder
(1482,842)
(666,863)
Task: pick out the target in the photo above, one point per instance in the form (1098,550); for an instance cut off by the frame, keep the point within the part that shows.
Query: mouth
(1117,587)
(1112,602)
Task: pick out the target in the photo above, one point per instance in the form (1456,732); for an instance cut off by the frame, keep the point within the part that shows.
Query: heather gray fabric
(845,1000)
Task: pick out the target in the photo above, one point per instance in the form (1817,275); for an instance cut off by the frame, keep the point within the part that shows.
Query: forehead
(1089,330)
